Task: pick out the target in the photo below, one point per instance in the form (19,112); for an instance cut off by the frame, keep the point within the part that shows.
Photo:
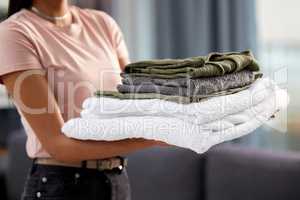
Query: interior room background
(178,29)
(183,28)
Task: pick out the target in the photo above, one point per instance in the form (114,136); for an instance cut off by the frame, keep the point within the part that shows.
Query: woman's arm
(34,93)
(123,62)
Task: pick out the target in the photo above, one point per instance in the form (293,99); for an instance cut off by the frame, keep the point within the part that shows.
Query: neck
(53,8)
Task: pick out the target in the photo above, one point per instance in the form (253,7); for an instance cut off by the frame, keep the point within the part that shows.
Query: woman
(53,56)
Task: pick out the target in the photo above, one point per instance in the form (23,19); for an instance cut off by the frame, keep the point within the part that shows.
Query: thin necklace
(50,18)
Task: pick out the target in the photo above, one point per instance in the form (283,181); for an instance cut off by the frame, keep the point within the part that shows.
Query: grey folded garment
(173,98)
(215,64)
(187,86)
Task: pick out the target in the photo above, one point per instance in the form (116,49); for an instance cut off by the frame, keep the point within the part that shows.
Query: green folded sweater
(215,64)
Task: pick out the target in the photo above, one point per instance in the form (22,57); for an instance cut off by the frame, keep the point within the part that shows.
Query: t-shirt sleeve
(117,38)
(17,52)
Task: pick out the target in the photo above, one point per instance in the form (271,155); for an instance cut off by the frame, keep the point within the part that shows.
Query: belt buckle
(108,164)
(104,165)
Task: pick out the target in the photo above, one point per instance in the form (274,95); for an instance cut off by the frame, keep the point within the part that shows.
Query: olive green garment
(215,64)
(177,99)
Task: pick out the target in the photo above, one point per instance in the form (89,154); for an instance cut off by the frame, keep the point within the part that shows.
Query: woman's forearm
(47,125)
(71,150)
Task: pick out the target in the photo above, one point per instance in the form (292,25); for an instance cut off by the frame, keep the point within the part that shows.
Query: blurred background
(178,29)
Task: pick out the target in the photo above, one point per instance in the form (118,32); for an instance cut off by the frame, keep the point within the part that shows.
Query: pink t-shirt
(78,59)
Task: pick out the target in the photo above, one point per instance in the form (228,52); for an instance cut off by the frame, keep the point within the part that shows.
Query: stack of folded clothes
(193,78)
(193,103)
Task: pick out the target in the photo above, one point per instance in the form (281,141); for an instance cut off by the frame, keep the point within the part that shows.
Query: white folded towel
(175,131)
(197,113)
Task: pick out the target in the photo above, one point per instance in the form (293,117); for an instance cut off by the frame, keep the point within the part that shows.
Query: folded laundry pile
(193,103)
(199,77)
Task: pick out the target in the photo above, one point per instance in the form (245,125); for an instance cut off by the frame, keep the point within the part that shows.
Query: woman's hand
(153,142)
(160,143)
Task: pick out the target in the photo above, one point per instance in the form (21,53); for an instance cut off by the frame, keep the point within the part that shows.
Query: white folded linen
(174,131)
(198,113)
(228,121)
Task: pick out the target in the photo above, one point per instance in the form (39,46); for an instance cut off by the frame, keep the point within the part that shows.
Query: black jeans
(68,183)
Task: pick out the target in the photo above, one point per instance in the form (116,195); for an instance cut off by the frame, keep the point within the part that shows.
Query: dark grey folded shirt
(187,86)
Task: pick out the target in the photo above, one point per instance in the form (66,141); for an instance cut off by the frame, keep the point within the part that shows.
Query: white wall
(279,21)
(3,3)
